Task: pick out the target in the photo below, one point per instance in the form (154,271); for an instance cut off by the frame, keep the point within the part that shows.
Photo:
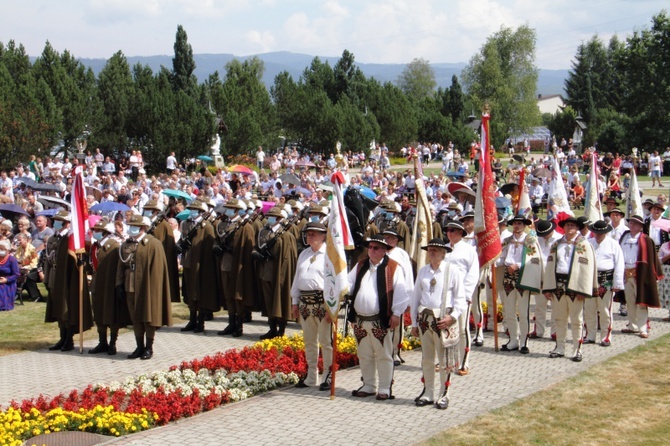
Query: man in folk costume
(399,255)
(521,257)
(61,275)
(379,299)
(546,237)
(162,230)
(276,255)
(570,277)
(610,262)
(436,303)
(308,306)
(142,280)
(464,256)
(618,222)
(233,248)
(643,270)
(199,263)
(108,311)
(657,235)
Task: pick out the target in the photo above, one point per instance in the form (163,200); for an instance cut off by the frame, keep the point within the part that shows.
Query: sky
(375,31)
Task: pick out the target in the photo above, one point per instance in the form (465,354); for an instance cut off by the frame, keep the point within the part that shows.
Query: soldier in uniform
(199,264)
(308,305)
(162,230)
(276,254)
(142,280)
(390,218)
(62,277)
(108,311)
(233,247)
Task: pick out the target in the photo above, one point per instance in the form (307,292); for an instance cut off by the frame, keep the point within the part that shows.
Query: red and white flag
(338,238)
(78,214)
(486,215)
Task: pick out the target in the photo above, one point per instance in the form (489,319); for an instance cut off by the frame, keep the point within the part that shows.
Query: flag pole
(80,265)
(494,312)
(333,366)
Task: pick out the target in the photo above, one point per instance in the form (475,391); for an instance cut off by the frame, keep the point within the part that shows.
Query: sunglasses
(453,230)
(375,248)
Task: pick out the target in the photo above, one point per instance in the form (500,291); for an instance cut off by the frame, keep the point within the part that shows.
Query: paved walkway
(298,416)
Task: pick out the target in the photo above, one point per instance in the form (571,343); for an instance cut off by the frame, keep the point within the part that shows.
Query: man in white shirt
(546,237)
(399,255)
(436,303)
(376,313)
(655,169)
(308,306)
(610,263)
(260,157)
(171,163)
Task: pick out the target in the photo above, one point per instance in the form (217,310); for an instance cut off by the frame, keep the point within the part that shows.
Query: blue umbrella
(455,174)
(177,194)
(109,206)
(48,212)
(367,192)
(205,158)
(300,190)
(183,215)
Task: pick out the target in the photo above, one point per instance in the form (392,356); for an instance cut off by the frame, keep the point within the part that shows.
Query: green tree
(417,80)
(393,112)
(504,76)
(586,85)
(183,63)
(116,93)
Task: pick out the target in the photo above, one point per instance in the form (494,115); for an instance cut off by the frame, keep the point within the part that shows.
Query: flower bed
(140,402)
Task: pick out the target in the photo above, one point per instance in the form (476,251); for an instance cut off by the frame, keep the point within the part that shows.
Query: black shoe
(301,384)
(578,357)
(524,350)
(230,329)
(199,328)
(589,341)
(148,353)
(396,363)
(137,353)
(421,402)
(239,331)
(325,385)
(605,343)
(111,350)
(478,342)
(269,335)
(58,345)
(68,346)
(505,348)
(553,355)
(100,348)
(190,326)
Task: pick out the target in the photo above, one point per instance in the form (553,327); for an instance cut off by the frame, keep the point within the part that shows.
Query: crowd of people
(254,240)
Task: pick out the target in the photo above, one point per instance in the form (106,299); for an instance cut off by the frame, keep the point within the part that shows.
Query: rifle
(156,222)
(185,242)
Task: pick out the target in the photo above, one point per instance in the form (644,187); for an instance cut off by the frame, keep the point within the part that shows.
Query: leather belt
(311,297)
(630,273)
(370,318)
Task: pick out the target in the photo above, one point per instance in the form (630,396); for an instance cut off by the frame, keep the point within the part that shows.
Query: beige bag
(448,336)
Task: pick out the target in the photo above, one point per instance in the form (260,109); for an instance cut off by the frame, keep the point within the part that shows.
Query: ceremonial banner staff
(336,282)
(422,227)
(592,207)
(633,202)
(486,217)
(77,239)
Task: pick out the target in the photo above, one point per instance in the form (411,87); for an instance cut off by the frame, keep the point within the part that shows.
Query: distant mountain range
(549,81)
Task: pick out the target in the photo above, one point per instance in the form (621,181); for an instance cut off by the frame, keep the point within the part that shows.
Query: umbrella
(290,179)
(267,205)
(183,215)
(239,168)
(205,158)
(28,182)
(97,193)
(109,206)
(46,187)
(542,173)
(519,158)
(300,190)
(13,209)
(508,189)
(51,202)
(93,219)
(303,163)
(177,194)
(367,192)
(326,185)
(456,187)
(47,212)
(455,174)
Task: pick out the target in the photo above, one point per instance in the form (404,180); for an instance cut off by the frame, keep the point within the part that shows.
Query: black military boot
(282,327)
(102,343)
(272,333)
(239,329)
(139,351)
(58,345)
(200,323)
(192,321)
(149,350)
(69,340)
(230,328)
(111,349)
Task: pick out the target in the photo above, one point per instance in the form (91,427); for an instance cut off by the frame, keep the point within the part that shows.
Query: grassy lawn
(621,401)
(23,328)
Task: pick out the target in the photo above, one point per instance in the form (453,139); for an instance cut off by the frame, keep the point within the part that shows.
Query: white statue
(216,146)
